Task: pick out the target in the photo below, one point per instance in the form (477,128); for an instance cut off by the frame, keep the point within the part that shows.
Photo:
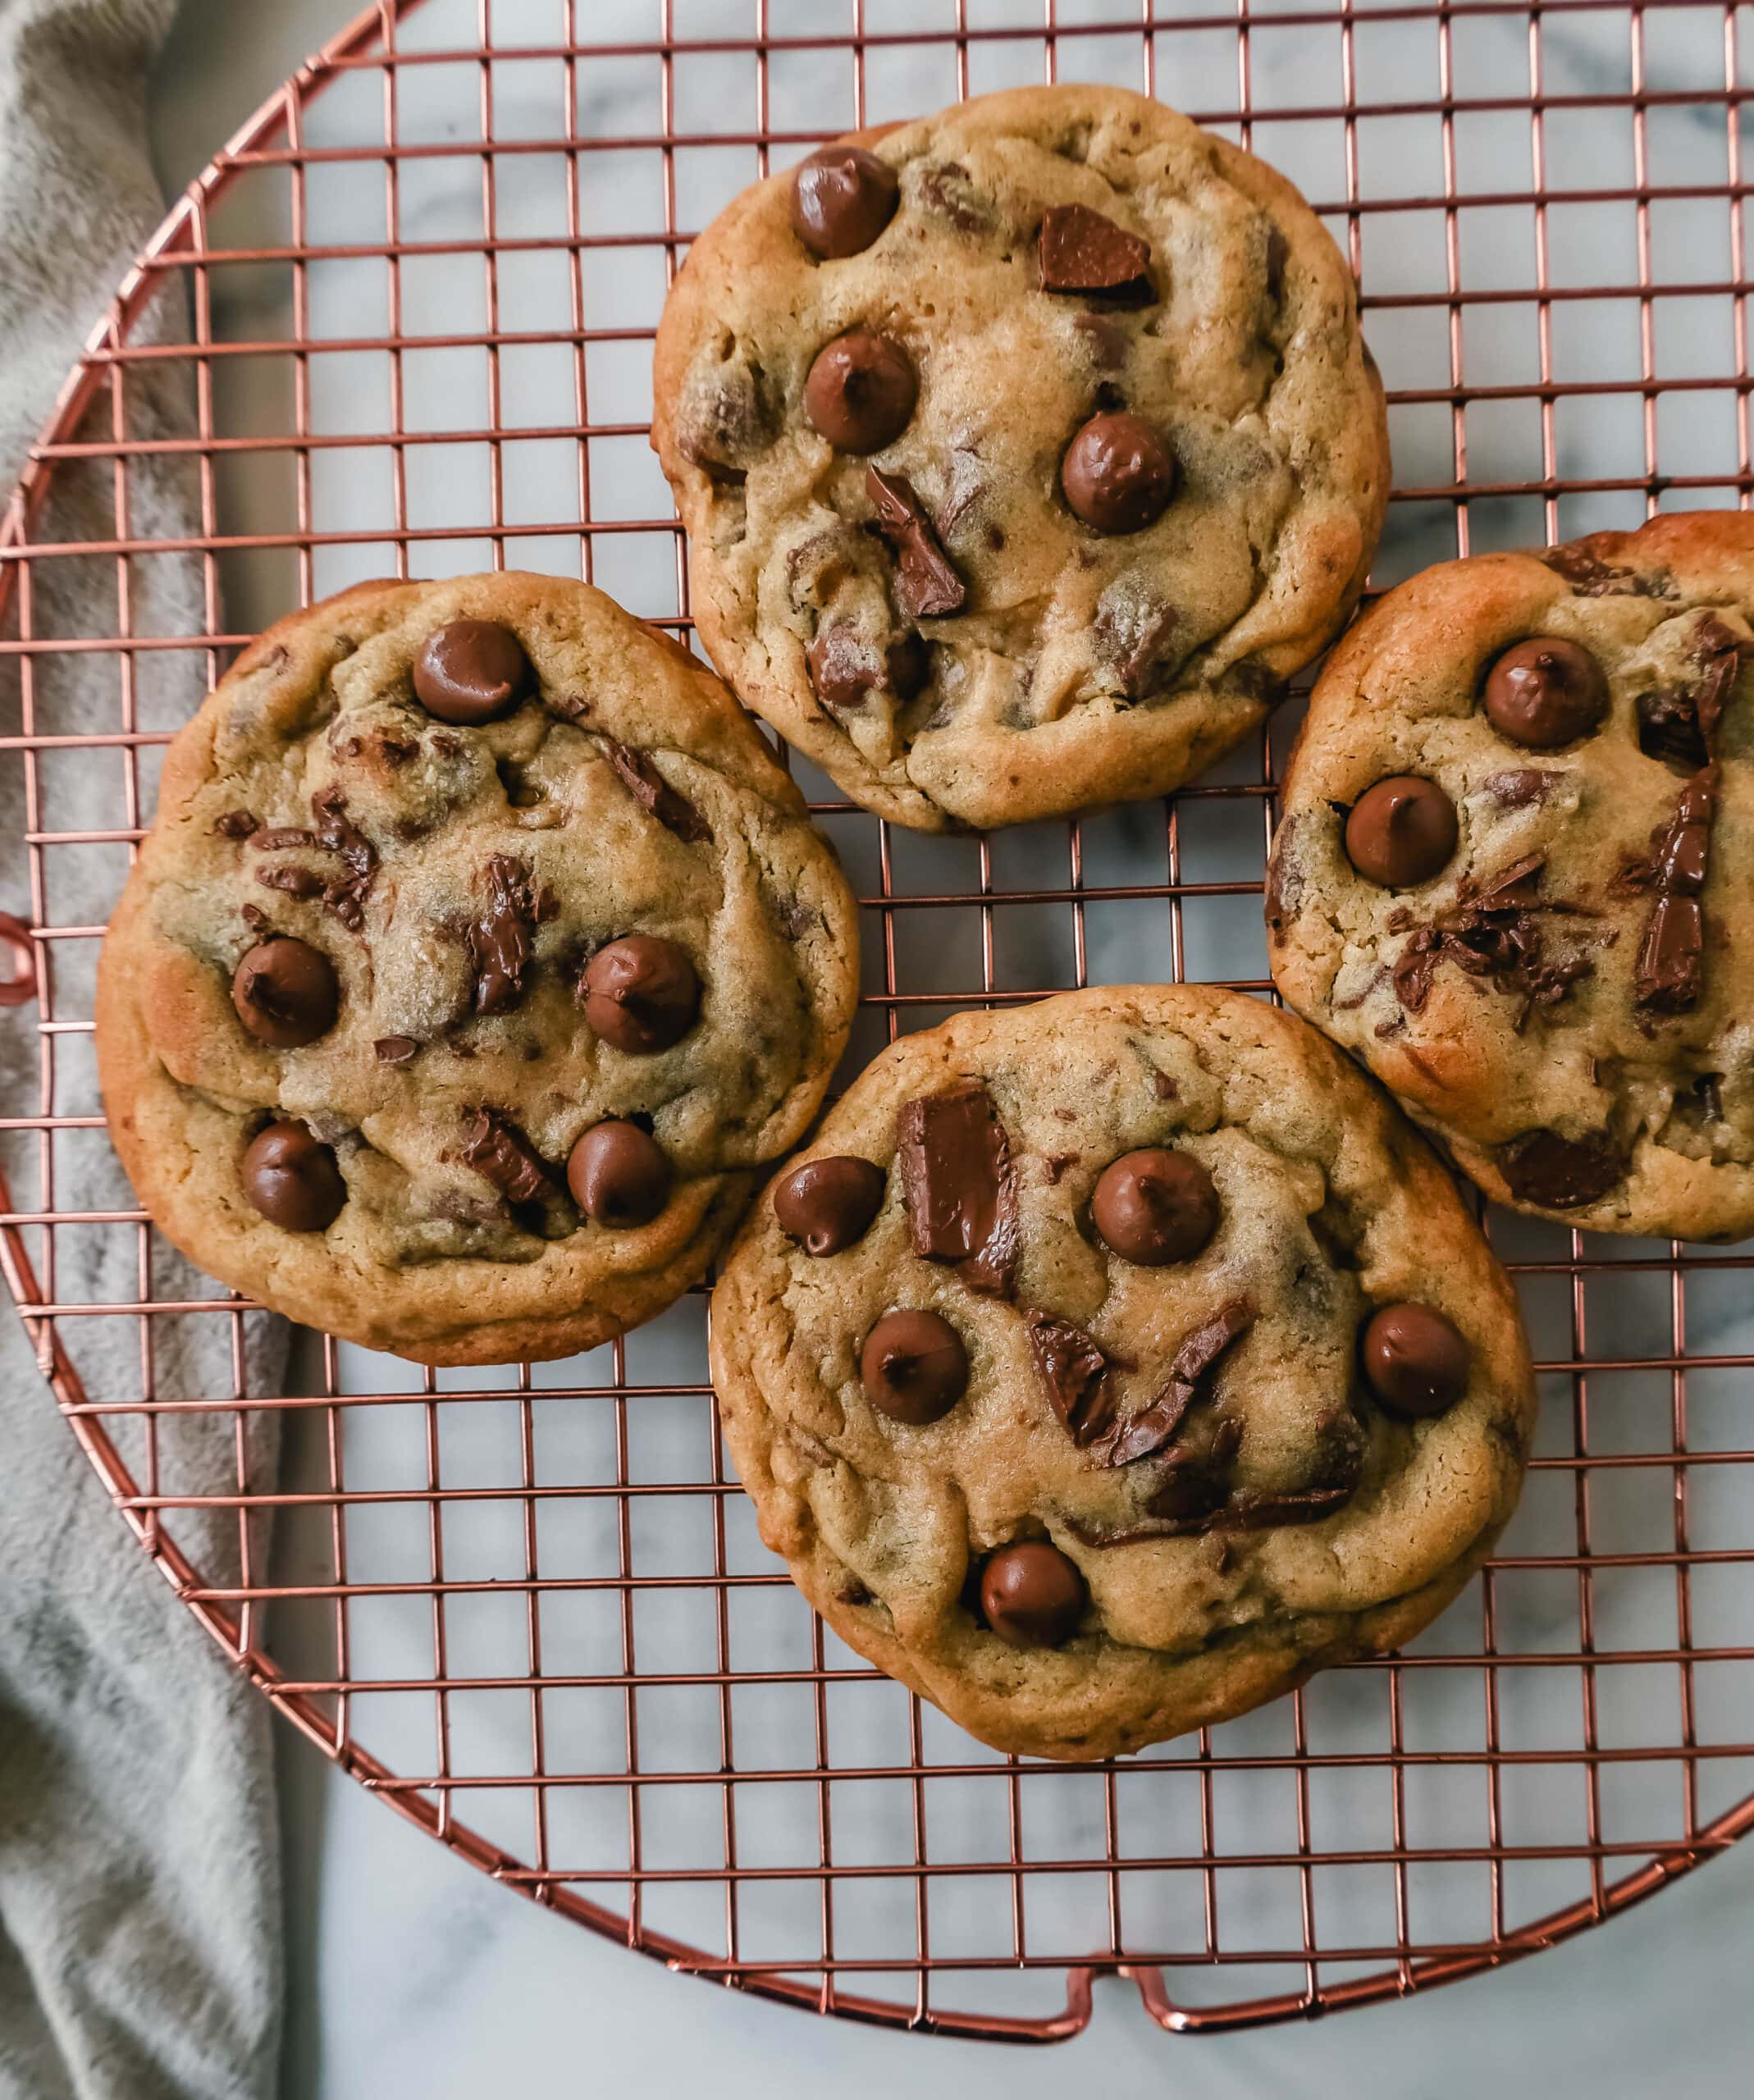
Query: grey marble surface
(410,1973)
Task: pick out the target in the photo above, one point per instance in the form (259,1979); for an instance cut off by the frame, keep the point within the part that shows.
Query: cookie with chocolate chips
(1513,873)
(478,961)
(1024,452)
(1105,1366)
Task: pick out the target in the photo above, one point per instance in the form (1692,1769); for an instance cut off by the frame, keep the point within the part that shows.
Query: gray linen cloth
(139,1899)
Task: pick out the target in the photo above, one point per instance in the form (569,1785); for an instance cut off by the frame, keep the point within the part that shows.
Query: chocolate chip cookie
(1516,861)
(1024,452)
(479,958)
(1108,1364)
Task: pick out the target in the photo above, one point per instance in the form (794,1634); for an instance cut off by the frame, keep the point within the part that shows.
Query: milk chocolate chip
(828,1204)
(286,993)
(1155,1207)
(1545,692)
(1117,473)
(1415,1360)
(471,672)
(293,1181)
(842,199)
(1033,1596)
(860,392)
(914,1366)
(641,993)
(619,1176)
(1401,832)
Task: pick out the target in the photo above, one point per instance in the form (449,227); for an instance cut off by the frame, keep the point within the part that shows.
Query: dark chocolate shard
(1560,1173)
(1080,251)
(927,586)
(960,1185)
(1151,1429)
(1074,1370)
(499,939)
(1669,973)
(395,1049)
(500,1153)
(1494,931)
(655,794)
(236,823)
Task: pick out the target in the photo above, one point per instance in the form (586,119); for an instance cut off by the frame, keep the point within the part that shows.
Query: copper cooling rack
(402,324)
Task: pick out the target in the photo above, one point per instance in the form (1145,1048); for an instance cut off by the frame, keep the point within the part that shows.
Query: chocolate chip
(927,586)
(960,1185)
(235,823)
(1074,1370)
(471,672)
(845,670)
(1155,1207)
(1032,1595)
(1080,251)
(619,1175)
(1560,1173)
(655,794)
(292,1179)
(1117,474)
(1544,692)
(641,994)
(286,993)
(1415,1360)
(828,1204)
(1150,1430)
(843,198)
(1401,831)
(395,1049)
(500,1153)
(1669,973)
(860,392)
(913,1367)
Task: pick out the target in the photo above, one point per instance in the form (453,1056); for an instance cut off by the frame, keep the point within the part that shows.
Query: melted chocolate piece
(827,1205)
(1117,475)
(1560,1173)
(1521,787)
(1590,577)
(1074,1370)
(282,838)
(498,939)
(1106,340)
(236,823)
(291,882)
(292,1179)
(845,670)
(960,1185)
(1080,251)
(1415,1360)
(286,993)
(843,198)
(655,794)
(1670,973)
(914,1366)
(1284,891)
(927,586)
(860,392)
(1545,691)
(1149,1430)
(1679,725)
(1401,832)
(396,1049)
(471,671)
(1032,1595)
(500,1153)
(641,994)
(948,191)
(1155,1207)
(1134,634)
(619,1175)
(337,833)
(1491,931)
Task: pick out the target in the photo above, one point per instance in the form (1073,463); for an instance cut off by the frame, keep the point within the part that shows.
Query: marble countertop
(409,1973)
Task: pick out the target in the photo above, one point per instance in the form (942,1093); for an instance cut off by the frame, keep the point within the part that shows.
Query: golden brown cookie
(1516,867)
(1106,1365)
(479,958)
(1024,452)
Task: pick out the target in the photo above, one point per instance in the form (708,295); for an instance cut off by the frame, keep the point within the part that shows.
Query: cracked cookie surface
(1557,986)
(1104,1366)
(1024,453)
(478,959)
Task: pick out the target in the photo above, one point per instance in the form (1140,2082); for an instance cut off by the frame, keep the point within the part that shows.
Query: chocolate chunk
(1679,723)
(500,1153)
(282,838)
(960,1185)
(292,1179)
(1669,973)
(1032,1595)
(1133,632)
(827,1205)
(655,794)
(1149,1431)
(619,1175)
(913,1367)
(860,392)
(500,938)
(1079,250)
(1590,576)
(236,823)
(1559,1173)
(1493,931)
(337,833)
(286,993)
(948,191)
(843,198)
(1401,832)
(927,586)
(1544,692)
(845,670)
(1284,890)
(291,882)
(396,1049)
(1117,474)
(1075,1373)
(1155,1207)
(1415,1360)
(641,994)
(729,412)
(471,671)
(1521,787)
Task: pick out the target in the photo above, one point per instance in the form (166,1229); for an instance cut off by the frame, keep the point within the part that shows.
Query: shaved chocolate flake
(1669,973)
(655,794)
(927,586)
(499,939)
(337,833)
(1149,1431)
(500,1153)
(1074,1370)
(395,1049)
(1521,787)
(236,823)
(1590,577)
(1080,251)
(1491,932)
(960,1185)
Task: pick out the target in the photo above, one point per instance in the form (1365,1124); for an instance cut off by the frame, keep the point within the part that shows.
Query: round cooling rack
(402,325)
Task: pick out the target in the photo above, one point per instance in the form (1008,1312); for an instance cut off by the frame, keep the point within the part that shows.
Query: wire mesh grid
(402,325)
